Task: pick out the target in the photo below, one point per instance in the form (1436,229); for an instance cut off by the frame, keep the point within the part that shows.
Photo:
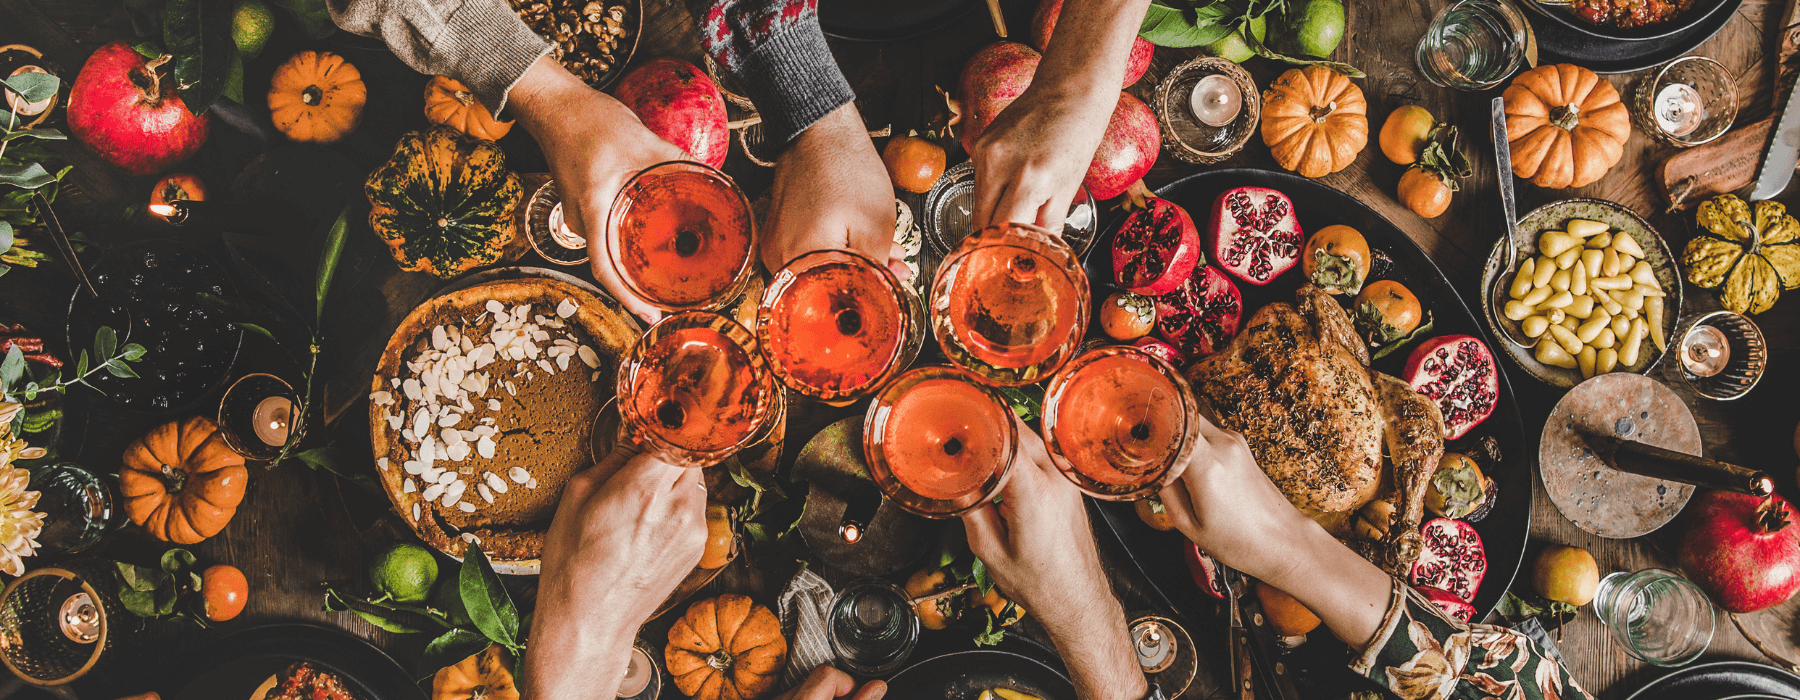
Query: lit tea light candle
(637,674)
(1155,645)
(560,232)
(1705,351)
(272,420)
(1679,109)
(79,618)
(1216,100)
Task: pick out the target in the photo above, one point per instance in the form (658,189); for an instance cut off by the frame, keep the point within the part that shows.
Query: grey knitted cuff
(490,49)
(793,79)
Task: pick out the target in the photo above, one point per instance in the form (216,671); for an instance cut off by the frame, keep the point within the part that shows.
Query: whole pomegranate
(1043,23)
(1201,315)
(1156,248)
(1742,549)
(1254,234)
(1127,150)
(1457,372)
(994,77)
(121,109)
(678,102)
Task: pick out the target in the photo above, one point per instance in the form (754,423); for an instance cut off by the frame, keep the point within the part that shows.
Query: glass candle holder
(1119,423)
(680,235)
(1687,102)
(1189,137)
(938,442)
(79,508)
(872,627)
(58,623)
(1473,45)
(1722,354)
(949,213)
(1656,615)
(643,676)
(696,389)
(836,326)
(1010,304)
(259,415)
(549,234)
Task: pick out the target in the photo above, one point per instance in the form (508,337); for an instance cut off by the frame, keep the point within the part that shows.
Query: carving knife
(1782,152)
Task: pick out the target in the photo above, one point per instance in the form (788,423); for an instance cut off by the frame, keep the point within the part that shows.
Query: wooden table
(298,528)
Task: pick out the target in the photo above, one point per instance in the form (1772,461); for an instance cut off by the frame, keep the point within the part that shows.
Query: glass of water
(872,627)
(1473,44)
(1658,616)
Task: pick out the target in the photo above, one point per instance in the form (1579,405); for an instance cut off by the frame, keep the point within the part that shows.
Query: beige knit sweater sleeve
(481,43)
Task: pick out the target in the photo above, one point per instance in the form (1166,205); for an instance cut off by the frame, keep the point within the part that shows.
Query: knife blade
(1243,667)
(1782,152)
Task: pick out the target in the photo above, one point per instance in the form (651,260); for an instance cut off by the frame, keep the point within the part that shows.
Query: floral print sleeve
(1420,654)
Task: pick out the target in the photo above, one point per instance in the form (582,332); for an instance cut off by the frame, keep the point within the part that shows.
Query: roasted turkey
(1296,383)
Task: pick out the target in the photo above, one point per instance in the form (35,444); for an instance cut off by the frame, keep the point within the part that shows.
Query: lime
(1313,28)
(251,26)
(405,573)
(1233,47)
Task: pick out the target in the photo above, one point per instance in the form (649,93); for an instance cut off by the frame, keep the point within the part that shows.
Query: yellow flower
(19,525)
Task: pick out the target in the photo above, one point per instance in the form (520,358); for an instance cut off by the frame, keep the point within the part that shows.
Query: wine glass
(1010,304)
(696,389)
(938,442)
(836,326)
(1119,422)
(680,236)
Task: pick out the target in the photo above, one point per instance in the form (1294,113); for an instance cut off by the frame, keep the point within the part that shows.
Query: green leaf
(325,459)
(983,581)
(486,599)
(34,87)
(132,352)
(1266,52)
(992,635)
(1177,27)
(165,598)
(81,365)
(233,89)
(118,368)
(148,49)
(328,261)
(449,649)
(138,578)
(198,33)
(399,619)
(139,603)
(26,177)
(177,560)
(6,236)
(106,343)
(313,15)
(12,368)
(259,330)
(39,134)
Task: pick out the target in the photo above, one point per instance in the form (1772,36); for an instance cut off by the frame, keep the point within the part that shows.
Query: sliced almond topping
(415,511)
(493,404)
(485,447)
(449,419)
(432,492)
(439,339)
(519,475)
(494,482)
(565,309)
(383,463)
(381,398)
(562,362)
(495,307)
(466,507)
(589,357)
(408,486)
(486,495)
(447,478)
(545,364)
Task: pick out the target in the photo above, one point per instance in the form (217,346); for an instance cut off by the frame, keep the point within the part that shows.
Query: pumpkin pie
(480,410)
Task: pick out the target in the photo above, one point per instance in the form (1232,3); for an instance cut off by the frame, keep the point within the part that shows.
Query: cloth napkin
(803,609)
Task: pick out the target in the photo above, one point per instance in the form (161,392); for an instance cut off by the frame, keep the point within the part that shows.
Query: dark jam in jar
(1628,14)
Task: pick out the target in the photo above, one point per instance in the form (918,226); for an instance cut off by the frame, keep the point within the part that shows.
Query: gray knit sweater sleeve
(481,43)
(776,51)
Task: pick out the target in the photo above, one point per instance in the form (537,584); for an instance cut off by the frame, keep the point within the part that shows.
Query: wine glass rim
(875,421)
(782,281)
(610,245)
(1036,242)
(1059,383)
(627,386)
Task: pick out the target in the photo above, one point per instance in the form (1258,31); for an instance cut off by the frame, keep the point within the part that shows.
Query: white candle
(1216,100)
(1155,646)
(637,674)
(272,420)
(1678,109)
(1705,351)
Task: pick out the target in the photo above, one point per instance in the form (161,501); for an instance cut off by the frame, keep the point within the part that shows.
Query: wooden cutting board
(1728,164)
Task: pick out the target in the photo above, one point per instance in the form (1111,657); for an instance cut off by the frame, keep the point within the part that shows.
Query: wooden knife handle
(1243,667)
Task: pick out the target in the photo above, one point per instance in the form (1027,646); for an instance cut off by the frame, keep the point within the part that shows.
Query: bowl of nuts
(593,38)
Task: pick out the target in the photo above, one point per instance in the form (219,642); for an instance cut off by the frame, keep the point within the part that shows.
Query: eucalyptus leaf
(132,352)
(490,606)
(118,368)
(26,177)
(12,368)
(177,560)
(449,649)
(33,87)
(259,330)
(138,578)
(106,343)
(328,261)
(81,365)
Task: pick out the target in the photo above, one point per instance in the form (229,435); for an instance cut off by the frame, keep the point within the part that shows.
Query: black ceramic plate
(1562,15)
(1721,680)
(1503,531)
(888,20)
(1563,43)
(963,675)
(233,666)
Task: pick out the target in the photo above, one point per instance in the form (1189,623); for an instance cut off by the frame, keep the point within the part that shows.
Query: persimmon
(933,614)
(1337,259)
(720,540)
(1405,133)
(225,591)
(913,163)
(175,187)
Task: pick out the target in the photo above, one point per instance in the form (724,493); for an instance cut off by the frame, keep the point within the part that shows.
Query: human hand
(594,144)
(831,192)
(1039,549)
(625,534)
(1030,161)
(828,683)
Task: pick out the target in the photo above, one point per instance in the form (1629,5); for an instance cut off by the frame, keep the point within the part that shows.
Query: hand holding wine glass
(831,192)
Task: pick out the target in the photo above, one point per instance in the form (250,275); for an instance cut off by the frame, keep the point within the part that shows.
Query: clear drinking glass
(696,388)
(872,627)
(837,326)
(1473,45)
(1010,304)
(1119,423)
(937,442)
(680,235)
(79,508)
(1658,616)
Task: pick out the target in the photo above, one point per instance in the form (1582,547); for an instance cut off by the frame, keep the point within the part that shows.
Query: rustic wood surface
(298,528)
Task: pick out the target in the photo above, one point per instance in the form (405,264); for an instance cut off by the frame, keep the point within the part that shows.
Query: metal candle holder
(541,227)
(1749,355)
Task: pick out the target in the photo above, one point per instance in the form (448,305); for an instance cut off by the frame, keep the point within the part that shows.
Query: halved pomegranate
(1206,572)
(1452,558)
(1163,351)
(1457,372)
(1254,234)
(1156,249)
(1446,601)
(1202,314)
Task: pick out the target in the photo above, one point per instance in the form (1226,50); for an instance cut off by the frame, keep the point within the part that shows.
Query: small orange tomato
(1336,259)
(173,187)
(720,541)
(1405,133)
(1424,192)
(913,163)
(225,591)
(1153,513)
(1005,611)
(1126,317)
(933,614)
(1389,308)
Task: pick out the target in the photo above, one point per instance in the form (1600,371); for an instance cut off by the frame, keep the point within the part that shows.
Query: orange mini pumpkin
(449,103)
(484,676)
(317,97)
(1314,121)
(1566,125)
(181,482)
(726,648)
